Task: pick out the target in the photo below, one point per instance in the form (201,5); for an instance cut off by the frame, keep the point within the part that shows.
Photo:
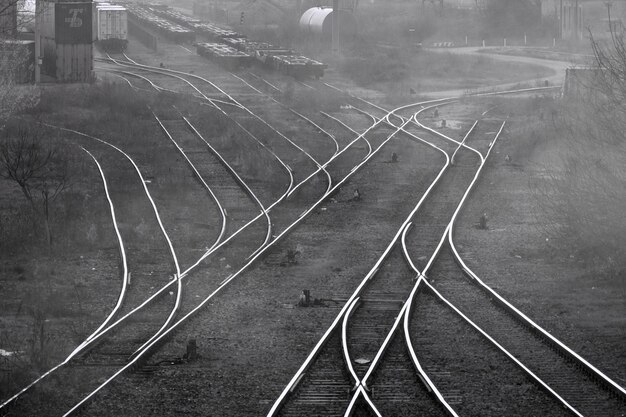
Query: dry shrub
(587,194)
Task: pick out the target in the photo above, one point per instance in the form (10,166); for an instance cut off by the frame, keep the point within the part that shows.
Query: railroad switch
(192,350)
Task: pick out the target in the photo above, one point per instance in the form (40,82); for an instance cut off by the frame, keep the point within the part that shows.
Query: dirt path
(557,67)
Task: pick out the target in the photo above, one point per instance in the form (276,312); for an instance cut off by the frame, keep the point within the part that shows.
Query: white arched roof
(312,20)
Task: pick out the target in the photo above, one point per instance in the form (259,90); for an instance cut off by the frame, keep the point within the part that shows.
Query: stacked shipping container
(64,40)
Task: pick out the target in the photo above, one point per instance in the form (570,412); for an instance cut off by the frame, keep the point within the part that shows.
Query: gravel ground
(252,338)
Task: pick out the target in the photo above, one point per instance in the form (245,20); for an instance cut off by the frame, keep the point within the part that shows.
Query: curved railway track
(137,357)
(301,405)
(578,385)
(347,384)
(203,303)
(235,106)
(361,402)
(101,352)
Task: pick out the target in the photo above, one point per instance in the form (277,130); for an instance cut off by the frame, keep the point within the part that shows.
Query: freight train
(283,60)
(224,55)
(145,16)
(225,46)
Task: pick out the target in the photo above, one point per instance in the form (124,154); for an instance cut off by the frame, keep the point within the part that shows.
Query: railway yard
(269,238)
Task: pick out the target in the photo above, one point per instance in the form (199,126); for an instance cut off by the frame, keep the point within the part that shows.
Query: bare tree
(14,96)
(16,60)
(37,168)
(8,17)
(587,196)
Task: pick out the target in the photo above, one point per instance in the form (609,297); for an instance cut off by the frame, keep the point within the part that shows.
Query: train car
(176,16)
(224,55)
(214,32)
(296,66)
(144,16)
(111,27)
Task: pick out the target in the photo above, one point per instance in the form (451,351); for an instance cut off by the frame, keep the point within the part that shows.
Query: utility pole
(578,22)
(560,21)
(335,27)
(38,56)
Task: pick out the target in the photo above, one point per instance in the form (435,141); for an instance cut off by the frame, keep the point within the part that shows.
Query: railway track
(578,386)
(370,304)
(135,360)
(289,399)
(181,321)
(584,399)
(108,353)
(450,394)
(116,353)
(362,401)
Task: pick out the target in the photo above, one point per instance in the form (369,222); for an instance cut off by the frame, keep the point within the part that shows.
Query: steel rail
(379,354)
(153,204)
(224,283)
(132,74)
(618,389)
(372,272)
(263,80)
(469,132)
(410,300)
(116,73)
(120,242)
(361,136)
(221,234)
(441,135)
(127,58)
(614,386)
(97,335)
(291,110)
(238,178)
(298,376)
(247,83)
(361,384)
(294,111)
(479,329)
(344,341)
(421,274)
(167,73)
(321,129)
(120,297)
(363,112)
(213,101)
(125,79)
(184,274)
(154,69)
(367,142)
(201,179)
(319,167)
(361,392)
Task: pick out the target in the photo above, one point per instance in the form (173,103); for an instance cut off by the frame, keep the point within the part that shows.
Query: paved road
(557,67)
